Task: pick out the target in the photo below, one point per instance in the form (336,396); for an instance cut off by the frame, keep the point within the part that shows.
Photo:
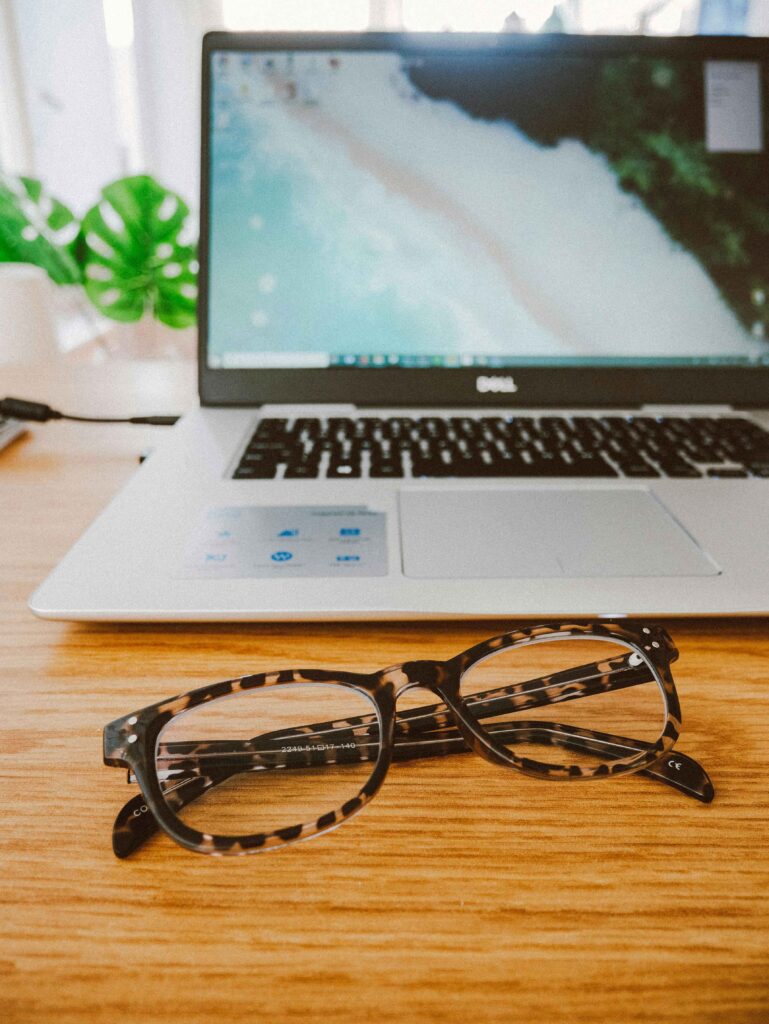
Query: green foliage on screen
(715,205)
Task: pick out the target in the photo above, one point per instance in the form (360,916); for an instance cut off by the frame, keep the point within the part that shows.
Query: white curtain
(91,90)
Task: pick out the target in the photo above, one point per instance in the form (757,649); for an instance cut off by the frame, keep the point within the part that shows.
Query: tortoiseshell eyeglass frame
(454,725)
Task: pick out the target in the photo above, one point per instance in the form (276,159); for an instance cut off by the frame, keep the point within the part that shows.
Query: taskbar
(244,360)
(378,360)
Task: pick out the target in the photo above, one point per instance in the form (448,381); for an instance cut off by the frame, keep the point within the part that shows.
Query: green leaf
(731,243)
(36,228)
(635,170)
(688,161)
(136,255)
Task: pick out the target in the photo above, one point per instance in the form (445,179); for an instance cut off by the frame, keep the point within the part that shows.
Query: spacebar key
(593,466)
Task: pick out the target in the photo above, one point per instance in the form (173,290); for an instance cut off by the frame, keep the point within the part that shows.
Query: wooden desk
(463,893)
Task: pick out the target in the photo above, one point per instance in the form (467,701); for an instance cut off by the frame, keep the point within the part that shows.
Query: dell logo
(497,385)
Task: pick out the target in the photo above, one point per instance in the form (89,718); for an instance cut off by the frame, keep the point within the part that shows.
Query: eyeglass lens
(581,702)
(268,758)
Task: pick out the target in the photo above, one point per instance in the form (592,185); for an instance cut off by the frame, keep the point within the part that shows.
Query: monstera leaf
(138,255)
(36,228)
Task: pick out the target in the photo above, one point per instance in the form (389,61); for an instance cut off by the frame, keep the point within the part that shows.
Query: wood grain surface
(465,892)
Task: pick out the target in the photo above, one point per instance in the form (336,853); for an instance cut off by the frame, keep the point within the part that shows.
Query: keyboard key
(726,474)
(640,472)
(638,467)
(268,428)
(265,471)
(593,465)
(381,470)
(339,470)
(258,458)
(680,469)
(301,471)
(261,460)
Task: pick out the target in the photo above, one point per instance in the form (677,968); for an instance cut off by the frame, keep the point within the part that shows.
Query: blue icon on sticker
(288,533)
(349,531)
(348,558)
(281,556)
(210,557)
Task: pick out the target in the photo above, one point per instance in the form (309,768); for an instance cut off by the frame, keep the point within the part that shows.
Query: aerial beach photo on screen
(441,209)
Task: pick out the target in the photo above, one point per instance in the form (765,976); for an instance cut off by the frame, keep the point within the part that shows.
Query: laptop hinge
(702,410)
(669,409)
(294,409)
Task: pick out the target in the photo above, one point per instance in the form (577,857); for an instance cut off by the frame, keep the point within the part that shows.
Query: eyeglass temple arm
(676,769)
(231,758)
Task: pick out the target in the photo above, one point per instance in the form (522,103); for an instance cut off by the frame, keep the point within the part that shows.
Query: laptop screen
(380,209)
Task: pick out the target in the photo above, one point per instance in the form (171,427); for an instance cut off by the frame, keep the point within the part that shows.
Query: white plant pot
(27,326)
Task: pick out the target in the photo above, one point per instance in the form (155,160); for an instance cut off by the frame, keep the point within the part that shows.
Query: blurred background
(92,91)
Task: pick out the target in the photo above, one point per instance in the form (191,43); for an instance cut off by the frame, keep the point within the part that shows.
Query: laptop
(484,331)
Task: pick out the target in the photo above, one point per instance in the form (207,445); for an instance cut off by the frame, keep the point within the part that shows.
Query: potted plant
(132,255)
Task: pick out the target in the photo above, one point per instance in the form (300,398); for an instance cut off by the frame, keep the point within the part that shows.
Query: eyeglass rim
(658,652)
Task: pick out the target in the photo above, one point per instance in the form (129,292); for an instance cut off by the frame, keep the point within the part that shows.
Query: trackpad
(568,532)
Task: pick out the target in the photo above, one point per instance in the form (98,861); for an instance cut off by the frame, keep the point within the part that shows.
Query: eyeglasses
(265,760)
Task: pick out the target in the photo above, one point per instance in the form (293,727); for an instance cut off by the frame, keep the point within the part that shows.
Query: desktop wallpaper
(380,209)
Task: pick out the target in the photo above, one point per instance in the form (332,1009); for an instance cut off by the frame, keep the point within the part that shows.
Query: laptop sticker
(270,542)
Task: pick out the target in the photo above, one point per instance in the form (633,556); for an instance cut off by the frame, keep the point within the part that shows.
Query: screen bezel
(566,386)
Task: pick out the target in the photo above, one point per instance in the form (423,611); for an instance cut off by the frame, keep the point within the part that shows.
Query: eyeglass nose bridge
(434,678)
(442,680)
(429,675)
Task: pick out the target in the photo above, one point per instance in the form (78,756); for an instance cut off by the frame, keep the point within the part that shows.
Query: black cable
(20,409)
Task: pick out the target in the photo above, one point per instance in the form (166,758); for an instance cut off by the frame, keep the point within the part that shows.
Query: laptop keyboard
(505,446)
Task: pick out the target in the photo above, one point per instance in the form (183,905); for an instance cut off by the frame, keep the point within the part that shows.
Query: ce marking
(674,764)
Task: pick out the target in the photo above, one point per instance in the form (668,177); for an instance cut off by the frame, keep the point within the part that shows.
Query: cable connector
(154,421)
(20,409)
